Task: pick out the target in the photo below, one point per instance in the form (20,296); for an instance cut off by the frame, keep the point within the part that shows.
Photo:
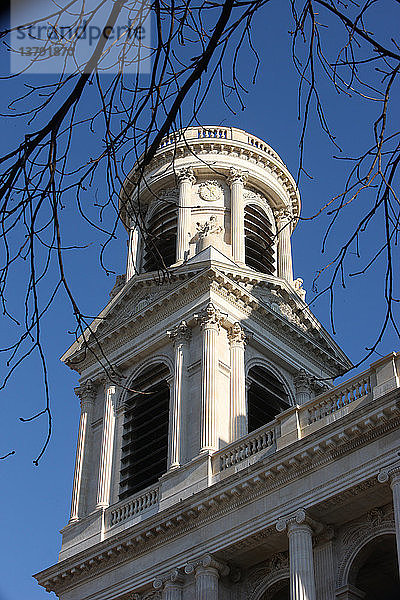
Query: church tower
(207,453)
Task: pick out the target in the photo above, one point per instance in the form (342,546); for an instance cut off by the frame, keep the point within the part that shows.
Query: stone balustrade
(218,133)
(261,439)
(128,509)
(339,397)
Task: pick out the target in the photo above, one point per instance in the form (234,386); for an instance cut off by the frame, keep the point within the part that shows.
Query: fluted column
(392,475)
(86,393)
(237,179)
(283,223)
(186,180)
(180,335)
(210,321)
(299,530)
(133,251)
(324,565)
(302,383)
(207,572)
(238,416)
(107,446)
(170,585)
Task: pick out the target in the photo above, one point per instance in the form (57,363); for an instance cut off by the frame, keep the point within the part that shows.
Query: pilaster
(180,336)
(207,572)
(238,409)
(186,179)
(132,266)
(391,474)
(107,446)
(303,385)
(170,585)
(210,320)
(86,394)
(236,180)
(283,221)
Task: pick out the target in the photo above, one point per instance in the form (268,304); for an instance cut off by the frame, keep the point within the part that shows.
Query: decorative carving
(169,194)
(211,191)
(86,392)
(389,472)
(186,175)
(268,576)
(210,316)
(237,176)
(180,333)
(207,562)
(175,576)
(236,334)
(283,215)
(300,517)
(353,537)
(208,228)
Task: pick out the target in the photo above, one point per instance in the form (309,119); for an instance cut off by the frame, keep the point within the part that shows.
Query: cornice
(290,324)
(309,454)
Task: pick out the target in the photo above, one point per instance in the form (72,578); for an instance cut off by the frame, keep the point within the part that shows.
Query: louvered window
(259,240)
(160,236)
(266,397)
(145,436)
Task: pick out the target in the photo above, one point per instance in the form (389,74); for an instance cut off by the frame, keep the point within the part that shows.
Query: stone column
(236,180)
(300,531)
(283,224)
(207,572)
(180,335)
(170,585)
(210,321)
(86,393)
(186,180)
(132,266)
(302,384)
(391,474)
(238,416)
(107,447)
(324,565)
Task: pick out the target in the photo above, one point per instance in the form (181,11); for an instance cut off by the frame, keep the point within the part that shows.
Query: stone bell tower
(206,371)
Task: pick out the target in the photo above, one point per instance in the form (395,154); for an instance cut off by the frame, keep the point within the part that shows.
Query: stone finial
(236,334)
(186,174)
(210,316)
(237,176)
(180,333)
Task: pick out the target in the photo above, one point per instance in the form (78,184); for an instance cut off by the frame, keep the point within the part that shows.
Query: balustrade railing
(339,397)
(235,453)
(133,506)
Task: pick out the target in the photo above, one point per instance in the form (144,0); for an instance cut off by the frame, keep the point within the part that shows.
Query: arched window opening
(375,570)
(266,397)
(160,238)
(259,240)
(279,591)
(145,435)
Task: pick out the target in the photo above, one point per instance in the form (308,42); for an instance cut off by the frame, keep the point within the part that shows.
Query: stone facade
(303,505)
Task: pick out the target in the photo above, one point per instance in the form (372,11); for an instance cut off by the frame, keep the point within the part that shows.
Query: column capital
(283,215)
(181,333)
(86,392)
(186,174)
(210,317)
(236,335)
(390,473)
(297,520)
(175,576)
(207,562)
(237,176)
(303,381)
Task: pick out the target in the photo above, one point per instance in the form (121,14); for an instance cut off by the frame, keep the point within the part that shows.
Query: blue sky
(35,500)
